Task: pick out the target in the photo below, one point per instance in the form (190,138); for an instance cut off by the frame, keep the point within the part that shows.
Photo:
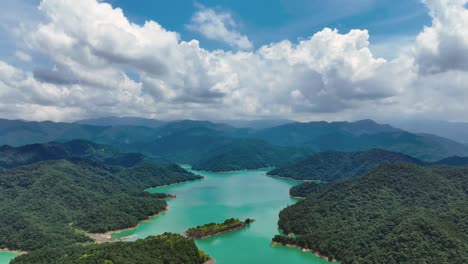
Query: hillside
(166,248)
(187,141)
(333,166)
(44,204)
(248,154)
(360,136)
(398,213)
(28,154)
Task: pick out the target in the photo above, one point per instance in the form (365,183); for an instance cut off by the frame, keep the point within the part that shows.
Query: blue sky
(266,21)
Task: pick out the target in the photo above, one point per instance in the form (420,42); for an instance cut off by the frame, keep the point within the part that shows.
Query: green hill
(332,166)
(45,204)
(398,213)
(28,154)
(162,249)
(248,154)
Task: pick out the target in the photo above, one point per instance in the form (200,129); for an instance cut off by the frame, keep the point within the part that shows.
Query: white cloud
(330,75)
(219,26)
(23,56)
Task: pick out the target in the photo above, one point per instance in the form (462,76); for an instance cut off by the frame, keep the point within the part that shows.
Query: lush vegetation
(213,229)
(187,141)
(359,136)
(248,154)
(47,204)
(11,157)
(398,213)
(332,166)
(162,249)
(303,189)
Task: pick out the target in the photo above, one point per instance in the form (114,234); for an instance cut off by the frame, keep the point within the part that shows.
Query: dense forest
(162,249)
(398,213)
(16,156)
(48,204)
(248,154)
(332,166)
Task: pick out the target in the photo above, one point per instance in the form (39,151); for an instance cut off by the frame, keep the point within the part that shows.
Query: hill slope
(166,248)
(45,203)
(332,166)
(248,154)
(398,213)
(359,136)
(28,154)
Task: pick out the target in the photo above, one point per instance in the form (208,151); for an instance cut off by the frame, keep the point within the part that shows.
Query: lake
(240,194)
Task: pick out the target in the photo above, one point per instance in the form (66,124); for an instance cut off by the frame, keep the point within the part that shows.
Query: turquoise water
(5,257)
(242,194)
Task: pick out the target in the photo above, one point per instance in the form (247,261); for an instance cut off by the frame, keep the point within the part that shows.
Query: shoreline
(106,237)
(20,252)
(231,171)
(316,253)
(176,183)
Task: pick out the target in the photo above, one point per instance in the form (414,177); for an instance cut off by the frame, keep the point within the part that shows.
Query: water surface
(241,194)
(6,257)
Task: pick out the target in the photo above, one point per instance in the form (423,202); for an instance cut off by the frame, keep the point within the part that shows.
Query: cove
(239,194)
(6,257)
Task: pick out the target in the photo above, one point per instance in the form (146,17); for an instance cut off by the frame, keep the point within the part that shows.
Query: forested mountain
(359,136)
(332,166)
(248,154)
(185,141)
(162,249)
(46,204)
(398,213)
(457,131)
(28,154)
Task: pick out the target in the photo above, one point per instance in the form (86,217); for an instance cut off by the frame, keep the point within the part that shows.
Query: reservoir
(240,194)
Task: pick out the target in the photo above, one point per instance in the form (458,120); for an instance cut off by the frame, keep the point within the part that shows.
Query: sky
(65,60)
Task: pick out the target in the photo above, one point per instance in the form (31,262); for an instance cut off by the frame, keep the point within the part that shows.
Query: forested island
(398,213)
(162,249)
(54,203)
(213,229)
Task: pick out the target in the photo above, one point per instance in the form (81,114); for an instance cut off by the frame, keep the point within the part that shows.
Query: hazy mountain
(122,121)
(361,135)
(453,130)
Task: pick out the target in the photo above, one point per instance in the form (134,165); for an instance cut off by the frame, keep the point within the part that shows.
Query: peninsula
(213,229)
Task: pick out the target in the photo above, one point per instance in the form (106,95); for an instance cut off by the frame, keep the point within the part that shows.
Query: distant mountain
(248,154)
(452,161)
(457,131)
(50,204)
(28,154)
(122,121)
(333,166)
(361,135)
(186,141)
(398,213)
(257,124)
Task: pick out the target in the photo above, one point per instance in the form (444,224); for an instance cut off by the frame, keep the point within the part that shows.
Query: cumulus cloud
(219,26)
(444,45)
(92,46)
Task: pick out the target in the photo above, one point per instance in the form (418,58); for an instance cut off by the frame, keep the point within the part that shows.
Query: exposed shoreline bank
(318,254)
(20,252)
(106,237)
